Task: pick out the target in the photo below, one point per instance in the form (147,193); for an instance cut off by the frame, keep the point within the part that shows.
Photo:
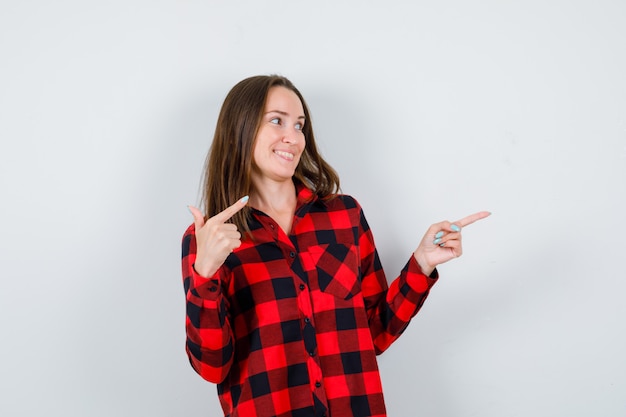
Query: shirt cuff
(416,279)
(207,288)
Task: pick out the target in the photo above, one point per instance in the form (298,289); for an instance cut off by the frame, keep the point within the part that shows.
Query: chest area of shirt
(319,259)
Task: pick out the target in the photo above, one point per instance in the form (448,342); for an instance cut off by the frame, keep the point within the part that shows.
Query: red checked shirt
(290,325)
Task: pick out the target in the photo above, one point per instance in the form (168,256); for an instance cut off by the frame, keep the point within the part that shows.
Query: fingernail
(244,199)
(455,228)
(440,234)
(436,241)
(442,244)
(188,208)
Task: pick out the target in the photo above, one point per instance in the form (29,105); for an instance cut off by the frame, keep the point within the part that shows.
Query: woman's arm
(390,309)
(210,343)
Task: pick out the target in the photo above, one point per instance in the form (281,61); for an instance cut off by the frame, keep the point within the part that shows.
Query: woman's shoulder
(342,201)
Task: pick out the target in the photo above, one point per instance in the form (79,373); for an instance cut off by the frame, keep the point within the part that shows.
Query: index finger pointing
(232,210)
(466,221)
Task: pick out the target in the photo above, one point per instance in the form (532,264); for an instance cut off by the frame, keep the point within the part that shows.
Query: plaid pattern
(290,326)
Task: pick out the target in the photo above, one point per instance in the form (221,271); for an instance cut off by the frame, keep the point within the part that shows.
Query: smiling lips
(286,155)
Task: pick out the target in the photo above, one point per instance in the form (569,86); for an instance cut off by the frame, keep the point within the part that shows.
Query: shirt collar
(305,197)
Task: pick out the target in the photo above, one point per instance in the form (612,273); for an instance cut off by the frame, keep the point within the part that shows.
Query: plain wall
(428,110)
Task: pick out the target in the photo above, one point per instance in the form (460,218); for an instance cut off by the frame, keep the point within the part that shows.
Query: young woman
(287,303)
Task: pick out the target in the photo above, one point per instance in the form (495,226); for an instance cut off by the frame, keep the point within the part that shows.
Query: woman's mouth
(286,155)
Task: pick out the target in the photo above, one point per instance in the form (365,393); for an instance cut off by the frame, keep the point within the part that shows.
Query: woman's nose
(290,136)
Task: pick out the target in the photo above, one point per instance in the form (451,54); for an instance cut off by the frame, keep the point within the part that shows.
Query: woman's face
(279,141)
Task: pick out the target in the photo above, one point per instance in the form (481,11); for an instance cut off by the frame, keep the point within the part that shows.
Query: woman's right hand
(215,239)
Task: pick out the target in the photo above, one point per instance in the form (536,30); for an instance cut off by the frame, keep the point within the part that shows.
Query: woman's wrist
(204,270)
(424,266)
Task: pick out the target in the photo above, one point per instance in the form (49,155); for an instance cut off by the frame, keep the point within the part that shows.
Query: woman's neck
(276,199)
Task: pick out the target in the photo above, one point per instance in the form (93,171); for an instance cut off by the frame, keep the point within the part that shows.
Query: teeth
(284,154)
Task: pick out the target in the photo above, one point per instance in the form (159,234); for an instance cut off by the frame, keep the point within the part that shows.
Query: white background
(428,110)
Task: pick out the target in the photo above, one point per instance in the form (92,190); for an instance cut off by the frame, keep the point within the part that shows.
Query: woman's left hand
(442,242)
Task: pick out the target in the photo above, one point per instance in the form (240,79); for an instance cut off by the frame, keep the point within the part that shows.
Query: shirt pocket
(338,269)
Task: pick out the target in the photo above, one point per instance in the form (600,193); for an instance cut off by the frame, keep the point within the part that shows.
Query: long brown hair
(228,167)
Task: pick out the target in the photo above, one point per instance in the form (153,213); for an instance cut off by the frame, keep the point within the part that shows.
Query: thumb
(198,217)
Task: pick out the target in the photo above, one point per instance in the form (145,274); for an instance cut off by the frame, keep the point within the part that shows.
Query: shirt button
(292,254)
(318,384)
(213,289)
(272,226)
(306,320)
(311,353)
(302,287)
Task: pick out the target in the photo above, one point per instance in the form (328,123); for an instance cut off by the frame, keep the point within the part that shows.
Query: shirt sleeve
(210,341)
(389,307)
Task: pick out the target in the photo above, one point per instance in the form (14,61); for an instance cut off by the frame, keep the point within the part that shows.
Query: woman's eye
(275,121)
(299,126)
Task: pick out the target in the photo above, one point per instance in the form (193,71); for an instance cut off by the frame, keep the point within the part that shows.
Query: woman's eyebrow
(283,113)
